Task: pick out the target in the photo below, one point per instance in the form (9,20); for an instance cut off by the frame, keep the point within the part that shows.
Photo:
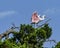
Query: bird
(37,18)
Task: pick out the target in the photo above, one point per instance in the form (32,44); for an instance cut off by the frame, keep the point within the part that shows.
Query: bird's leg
(37,24)
(34,25)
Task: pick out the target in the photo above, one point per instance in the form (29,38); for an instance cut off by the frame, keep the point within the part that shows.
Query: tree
(57,45)
(27,37)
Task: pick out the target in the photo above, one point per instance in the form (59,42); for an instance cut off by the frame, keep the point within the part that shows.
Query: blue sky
(20,11)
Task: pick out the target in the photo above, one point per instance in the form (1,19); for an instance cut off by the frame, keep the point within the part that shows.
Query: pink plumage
(35,18)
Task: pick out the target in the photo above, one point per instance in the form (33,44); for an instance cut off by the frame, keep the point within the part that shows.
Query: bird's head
(44,16)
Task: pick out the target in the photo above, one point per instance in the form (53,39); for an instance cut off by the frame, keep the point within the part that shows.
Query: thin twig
(44,23)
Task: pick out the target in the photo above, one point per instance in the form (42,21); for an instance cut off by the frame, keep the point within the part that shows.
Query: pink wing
(35,18)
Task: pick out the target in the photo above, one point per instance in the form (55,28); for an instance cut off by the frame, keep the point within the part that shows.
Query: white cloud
(6,13)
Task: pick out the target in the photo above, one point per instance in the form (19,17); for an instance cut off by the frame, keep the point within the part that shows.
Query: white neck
(42,18)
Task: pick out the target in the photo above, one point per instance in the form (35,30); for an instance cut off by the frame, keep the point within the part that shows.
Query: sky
(20,12)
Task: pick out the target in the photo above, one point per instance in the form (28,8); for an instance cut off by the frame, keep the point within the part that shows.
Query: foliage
(58,45)
(28,37)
